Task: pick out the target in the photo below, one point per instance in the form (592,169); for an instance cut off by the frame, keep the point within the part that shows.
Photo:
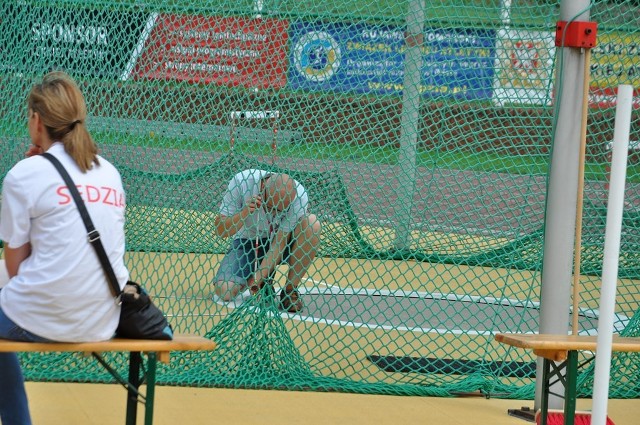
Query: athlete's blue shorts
(239,264)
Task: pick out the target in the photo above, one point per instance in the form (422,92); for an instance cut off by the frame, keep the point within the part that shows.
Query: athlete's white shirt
(244,186)
(61,292)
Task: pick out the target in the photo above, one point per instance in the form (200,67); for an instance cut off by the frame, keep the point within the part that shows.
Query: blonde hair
(62,109)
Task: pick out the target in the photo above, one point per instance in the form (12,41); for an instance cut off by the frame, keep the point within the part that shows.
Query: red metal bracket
(576,34)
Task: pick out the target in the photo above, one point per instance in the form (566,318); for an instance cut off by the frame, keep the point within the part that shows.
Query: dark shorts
(239,264)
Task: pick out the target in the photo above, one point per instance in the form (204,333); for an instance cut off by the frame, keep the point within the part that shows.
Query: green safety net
(422,132)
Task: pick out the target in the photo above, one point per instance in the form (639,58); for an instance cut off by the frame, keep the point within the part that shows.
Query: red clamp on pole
(576,34)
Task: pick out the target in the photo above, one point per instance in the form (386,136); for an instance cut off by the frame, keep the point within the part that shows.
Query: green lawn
(460,160)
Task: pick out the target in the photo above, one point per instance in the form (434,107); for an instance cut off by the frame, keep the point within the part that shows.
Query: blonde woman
(54,286)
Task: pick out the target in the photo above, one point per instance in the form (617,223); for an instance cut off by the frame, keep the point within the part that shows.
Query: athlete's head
(279,192)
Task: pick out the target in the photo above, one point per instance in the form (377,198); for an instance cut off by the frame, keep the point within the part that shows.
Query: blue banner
(370,59)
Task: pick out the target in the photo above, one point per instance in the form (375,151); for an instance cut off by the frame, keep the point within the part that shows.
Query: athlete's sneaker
(290,301)
(234,302)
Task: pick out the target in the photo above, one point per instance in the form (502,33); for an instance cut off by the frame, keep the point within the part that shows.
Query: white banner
(523,67)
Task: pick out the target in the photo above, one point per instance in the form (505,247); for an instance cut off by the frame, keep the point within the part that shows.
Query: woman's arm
(13,257)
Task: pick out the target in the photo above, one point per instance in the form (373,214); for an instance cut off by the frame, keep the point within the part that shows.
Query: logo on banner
(525,57)
(317,56)
(528,63)
(524,67)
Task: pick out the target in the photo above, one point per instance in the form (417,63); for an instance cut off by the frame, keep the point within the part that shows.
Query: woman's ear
(37,121)
(39,135)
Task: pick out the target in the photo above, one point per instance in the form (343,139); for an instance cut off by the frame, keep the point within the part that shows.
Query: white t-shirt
(61,292)
(246,185)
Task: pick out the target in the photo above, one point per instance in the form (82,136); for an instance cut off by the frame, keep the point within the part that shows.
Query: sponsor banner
(524,67)
(81,41)
(615,60)
(233,51)
(370,59)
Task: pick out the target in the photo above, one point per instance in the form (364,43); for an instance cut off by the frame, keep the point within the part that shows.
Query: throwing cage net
(422,133)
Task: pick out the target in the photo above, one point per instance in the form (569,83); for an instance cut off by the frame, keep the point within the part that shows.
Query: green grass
(458,160)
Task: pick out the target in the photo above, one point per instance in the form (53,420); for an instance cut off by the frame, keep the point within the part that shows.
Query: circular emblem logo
(317,56)
(524,56)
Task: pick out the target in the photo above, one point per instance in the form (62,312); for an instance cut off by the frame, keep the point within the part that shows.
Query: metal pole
(613,230)
(152,365)
(409,122)
(135,360)
(560,218)
(505,13)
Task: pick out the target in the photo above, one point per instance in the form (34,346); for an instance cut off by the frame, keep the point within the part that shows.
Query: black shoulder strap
(92,233)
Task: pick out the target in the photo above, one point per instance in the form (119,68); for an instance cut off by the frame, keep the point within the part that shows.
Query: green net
(422,133)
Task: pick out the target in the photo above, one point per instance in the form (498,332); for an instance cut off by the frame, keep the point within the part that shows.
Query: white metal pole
(258,6)
(562,194)
(615,206)
(411,99)
(505,13)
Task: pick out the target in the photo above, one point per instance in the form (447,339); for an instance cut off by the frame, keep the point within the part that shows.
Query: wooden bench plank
(555,355)
(163,348)
(550,343)
(156,351)
(563,349)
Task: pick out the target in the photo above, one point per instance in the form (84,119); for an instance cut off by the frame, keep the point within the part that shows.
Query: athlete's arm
(227,226)
(271,260)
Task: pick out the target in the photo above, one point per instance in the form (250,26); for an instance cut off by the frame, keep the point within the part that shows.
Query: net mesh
(430,185)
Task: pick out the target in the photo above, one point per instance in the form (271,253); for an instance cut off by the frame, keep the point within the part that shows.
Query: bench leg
(133,385)
(570,387)
(569,380)
(135,359)
(544,403)
(151,388)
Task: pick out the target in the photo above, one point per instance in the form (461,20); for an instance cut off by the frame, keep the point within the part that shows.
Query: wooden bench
(155,351)
(563,349)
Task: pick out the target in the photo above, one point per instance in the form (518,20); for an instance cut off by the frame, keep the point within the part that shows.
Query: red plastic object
(556,417)
(576,34)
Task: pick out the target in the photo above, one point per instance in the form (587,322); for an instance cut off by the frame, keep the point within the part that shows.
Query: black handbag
(139,317)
